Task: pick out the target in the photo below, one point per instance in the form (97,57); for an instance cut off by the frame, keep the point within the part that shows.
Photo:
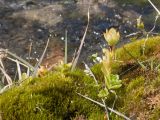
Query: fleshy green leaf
(116,86)
(103,93)
(113,82)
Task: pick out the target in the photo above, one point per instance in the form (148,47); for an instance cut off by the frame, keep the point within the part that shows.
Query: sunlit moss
(50,97)
(136,49)
(53,96)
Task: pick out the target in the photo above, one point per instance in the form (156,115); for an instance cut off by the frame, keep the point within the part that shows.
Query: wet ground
(26,26)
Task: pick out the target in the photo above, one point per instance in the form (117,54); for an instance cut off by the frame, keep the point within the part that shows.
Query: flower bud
(111,36)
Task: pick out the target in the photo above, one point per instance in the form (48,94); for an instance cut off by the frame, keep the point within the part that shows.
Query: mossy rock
(136,49)
(52,97)
(139,98)
(131,55)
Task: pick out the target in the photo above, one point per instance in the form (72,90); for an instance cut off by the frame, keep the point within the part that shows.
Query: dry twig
(82,42)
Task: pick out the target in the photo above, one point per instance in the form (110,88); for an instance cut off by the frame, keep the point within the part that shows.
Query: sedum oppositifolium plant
(111,81)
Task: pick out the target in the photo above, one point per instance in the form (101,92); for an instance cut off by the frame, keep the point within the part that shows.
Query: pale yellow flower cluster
(111,36)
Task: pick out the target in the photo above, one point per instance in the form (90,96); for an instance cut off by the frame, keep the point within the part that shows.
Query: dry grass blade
(19,70)
(1,63)
(30,49)
(82,42)
(3,79)
(5,76)
(35,70)
(98,103)
(154,6)
(18,62)
(18,58)
(8,78)
(102,105)
(89,71)
(4,88)
(28,72)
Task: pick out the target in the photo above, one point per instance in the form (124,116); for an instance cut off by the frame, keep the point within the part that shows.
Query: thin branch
(98,103)
(118,113)
(82,42)
(102,105)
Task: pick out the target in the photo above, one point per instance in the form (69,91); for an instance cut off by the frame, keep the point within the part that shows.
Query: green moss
(134,99)
(136,49)
(156,82)
(51,97)
(133,95)
(97,116)
(96,69)
(135,83)
(155,115)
